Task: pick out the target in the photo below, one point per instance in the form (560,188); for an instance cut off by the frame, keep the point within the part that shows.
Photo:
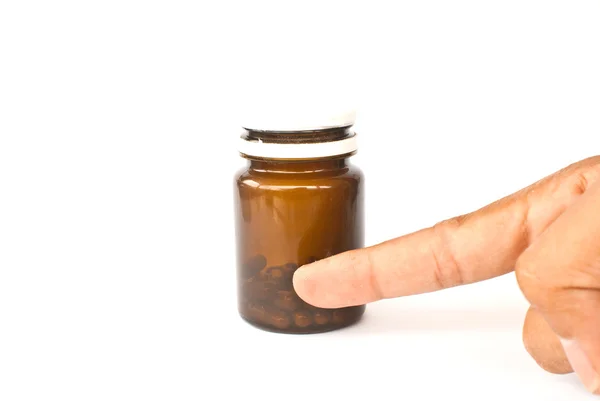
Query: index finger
(462,250)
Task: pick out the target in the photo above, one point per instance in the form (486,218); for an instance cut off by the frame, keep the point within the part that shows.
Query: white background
(117,152)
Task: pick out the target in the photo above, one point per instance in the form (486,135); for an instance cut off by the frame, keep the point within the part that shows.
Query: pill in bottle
(298,199)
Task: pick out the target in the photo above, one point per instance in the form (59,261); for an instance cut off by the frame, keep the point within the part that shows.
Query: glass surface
(289,214)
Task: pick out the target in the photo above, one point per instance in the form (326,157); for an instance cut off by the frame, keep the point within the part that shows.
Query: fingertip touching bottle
(299,199)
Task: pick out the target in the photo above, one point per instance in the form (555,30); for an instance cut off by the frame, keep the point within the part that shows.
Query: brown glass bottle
(298,200)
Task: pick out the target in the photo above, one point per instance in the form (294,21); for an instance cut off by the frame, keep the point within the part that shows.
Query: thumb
(559,274)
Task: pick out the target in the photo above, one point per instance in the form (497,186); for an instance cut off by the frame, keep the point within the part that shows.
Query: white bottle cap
(288,116)
(284,99)
(287,100)
(296,117)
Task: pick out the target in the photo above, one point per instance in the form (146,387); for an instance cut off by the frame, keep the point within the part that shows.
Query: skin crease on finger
(454,252)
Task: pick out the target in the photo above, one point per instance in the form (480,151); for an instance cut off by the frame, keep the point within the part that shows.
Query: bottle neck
(299,166)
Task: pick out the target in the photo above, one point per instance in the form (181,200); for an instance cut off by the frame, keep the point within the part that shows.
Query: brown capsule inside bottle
(289,213)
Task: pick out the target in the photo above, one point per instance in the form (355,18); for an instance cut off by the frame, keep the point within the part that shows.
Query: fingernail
(581,365)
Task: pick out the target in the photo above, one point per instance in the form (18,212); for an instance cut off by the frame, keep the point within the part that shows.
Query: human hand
(548,233)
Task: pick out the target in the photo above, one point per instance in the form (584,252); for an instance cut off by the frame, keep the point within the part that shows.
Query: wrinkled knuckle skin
(447,272)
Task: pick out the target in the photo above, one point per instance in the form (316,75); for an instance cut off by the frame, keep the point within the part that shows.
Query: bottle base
(321,321)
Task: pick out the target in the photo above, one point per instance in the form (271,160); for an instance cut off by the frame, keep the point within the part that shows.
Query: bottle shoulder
(240,174)
(356,171)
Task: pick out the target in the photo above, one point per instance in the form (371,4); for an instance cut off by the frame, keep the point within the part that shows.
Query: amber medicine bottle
(299,199)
